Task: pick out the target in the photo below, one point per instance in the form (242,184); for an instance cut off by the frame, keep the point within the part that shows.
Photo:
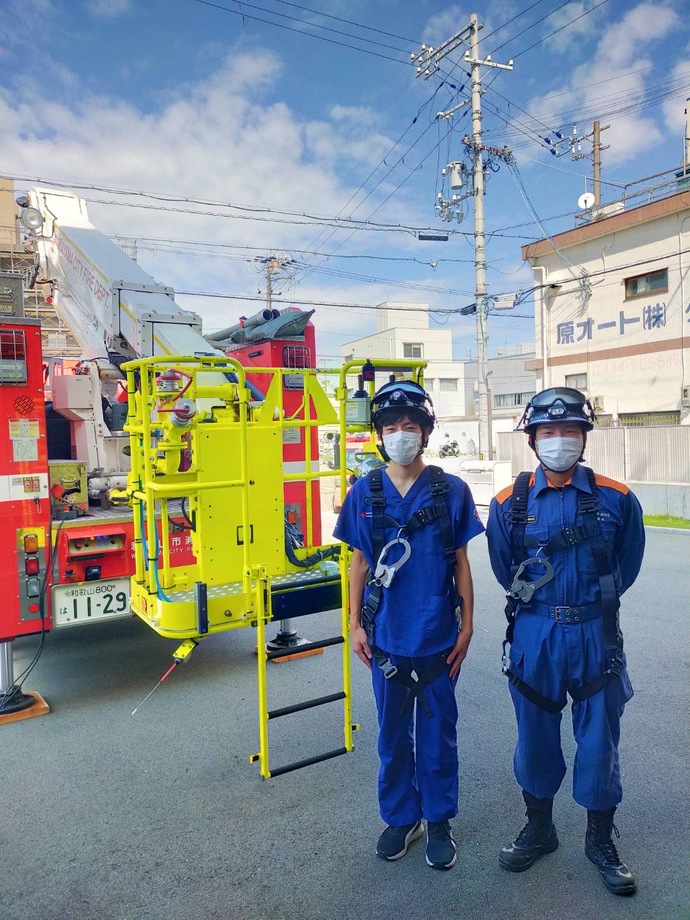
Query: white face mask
(402,446)
(559,454)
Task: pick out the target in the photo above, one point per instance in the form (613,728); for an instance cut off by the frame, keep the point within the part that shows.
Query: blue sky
(273,128)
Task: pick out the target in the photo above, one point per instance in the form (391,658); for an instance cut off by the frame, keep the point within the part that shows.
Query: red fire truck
(67,547)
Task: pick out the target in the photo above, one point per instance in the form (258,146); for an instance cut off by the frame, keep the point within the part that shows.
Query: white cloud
(674,109)
(576,27)
(615,75)
(444,24)
(225,138)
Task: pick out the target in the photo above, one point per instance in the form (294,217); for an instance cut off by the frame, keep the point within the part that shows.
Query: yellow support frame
(238,535)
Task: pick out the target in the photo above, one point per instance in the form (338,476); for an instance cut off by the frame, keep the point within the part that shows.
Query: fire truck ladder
(271,600)
(192,433)
(266,715)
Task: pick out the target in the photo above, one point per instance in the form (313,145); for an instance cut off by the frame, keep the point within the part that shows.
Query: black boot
(537,838)
(601,850)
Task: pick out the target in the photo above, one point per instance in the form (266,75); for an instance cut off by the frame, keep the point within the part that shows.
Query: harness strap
(543,702)
(439,488)
(437,511)
(570,536)
(378,504)
(428,676)
(518,515)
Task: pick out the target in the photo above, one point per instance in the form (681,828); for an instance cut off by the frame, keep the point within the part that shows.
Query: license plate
(88,601)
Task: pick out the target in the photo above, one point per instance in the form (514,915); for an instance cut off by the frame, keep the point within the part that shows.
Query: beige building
(612,311)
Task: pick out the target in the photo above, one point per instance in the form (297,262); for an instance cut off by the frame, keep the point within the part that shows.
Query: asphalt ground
(160,816)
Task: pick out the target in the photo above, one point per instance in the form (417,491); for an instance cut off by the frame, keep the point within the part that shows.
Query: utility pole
(429,60)
(573,143)
(596,157)
(485,433)
(273,265)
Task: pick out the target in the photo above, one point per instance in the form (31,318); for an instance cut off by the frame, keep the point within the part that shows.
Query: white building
(403,332)
(612,310)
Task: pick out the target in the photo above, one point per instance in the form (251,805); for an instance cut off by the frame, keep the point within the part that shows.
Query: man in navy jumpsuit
(415,624)
(558,642)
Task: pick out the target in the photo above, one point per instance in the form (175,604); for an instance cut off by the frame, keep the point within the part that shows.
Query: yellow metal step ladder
(263,605)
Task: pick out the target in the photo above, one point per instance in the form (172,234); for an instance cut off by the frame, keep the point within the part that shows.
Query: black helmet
(403,394)
(557,404)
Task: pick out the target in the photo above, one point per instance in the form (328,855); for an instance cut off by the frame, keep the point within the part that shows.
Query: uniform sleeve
(500,542)
(466,522)
(347,526)
(630,541)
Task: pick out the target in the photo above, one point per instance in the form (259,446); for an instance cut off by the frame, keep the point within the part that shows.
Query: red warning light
(31,565)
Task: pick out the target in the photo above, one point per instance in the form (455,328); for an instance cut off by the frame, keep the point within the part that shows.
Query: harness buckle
(616,666)
(388,668)
(423,516)
(505,659)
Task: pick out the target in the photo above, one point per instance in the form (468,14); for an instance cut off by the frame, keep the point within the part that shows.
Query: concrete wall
(663,498)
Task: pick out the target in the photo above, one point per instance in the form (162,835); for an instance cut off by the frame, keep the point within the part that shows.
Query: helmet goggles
(401,395)
(558,404)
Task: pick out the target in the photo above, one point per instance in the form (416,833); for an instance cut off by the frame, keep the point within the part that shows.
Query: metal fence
(659,454)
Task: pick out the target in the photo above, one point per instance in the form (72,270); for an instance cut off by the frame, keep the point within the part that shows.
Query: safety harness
(521,592)
(383,574)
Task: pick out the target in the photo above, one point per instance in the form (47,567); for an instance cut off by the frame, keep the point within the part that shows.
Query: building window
(448,384)
(576,381)
(510,400)
(429,383)
(413,350)
(645,419)
(642,285)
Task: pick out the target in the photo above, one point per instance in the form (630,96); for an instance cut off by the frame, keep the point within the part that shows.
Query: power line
(556,31)
(244,15)
(351,22)
(263,249)
(249,212)
(528,28)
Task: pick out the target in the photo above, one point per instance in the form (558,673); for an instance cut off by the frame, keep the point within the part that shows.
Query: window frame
(411,346)
(649,292)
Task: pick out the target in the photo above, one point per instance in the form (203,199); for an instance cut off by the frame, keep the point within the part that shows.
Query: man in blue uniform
(411,607)
(566,543)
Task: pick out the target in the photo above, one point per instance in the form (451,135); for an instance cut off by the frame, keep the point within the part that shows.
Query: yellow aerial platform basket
(205,442)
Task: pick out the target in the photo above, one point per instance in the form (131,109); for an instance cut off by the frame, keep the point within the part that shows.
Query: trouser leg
(436,748)
(538,761)
(596,726)
(399,799)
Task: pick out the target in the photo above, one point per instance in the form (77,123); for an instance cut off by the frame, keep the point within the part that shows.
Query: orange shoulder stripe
(504,494)
(611,484)
(508,491)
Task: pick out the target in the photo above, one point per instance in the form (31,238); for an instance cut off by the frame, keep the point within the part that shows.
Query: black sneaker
(394,841)
(440,845)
